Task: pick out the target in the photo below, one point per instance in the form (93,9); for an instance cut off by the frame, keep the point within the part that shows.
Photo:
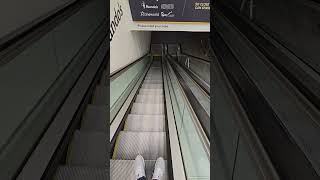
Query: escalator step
(153,77)
(151,99)
(95,119)
(155,69)
(151,91)
(147,109)
(156,73)
(152,81)
(156,64)
(151,86)
(149,145)
(100,96)
(145,123)
(125,169)
(103,79)
(88,149)
(80,173)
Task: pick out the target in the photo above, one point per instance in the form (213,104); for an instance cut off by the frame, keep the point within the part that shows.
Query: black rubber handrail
(307,85)
(121,70)
(202,115)
(14,43)
(195,57)
(286,156)
(205,88)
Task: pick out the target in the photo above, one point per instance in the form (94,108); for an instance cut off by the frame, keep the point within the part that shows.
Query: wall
(126,46)
(16,13)
(191,42)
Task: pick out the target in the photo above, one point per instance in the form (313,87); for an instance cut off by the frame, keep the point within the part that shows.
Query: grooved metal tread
(80,173)
(141,123)
(100,96)
(150,81)
(151,91)
(147,109)
(152,99)
(103,79)
(154,71)
(155,74)
(125,169)
(153,78)
(152,86)
(95,119)
(88,149)
(150,145)
(149,87)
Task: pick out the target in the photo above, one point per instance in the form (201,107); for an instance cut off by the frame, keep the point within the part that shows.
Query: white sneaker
(159,169)
(139,167)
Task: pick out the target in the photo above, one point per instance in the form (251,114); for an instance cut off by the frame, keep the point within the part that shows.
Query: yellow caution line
(125,125)
(115,151)
(170,22)
(70,152)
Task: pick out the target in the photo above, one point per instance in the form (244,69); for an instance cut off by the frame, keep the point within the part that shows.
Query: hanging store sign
(170,10)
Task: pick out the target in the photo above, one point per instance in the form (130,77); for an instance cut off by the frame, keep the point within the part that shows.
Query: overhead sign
(170,10)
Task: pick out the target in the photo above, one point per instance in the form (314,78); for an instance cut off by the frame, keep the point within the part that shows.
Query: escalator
(144,131)
(87,152)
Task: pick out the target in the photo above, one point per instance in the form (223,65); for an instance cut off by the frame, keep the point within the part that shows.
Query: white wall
(126,45)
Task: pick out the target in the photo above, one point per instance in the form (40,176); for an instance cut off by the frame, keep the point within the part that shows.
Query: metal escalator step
(150,145)
(100,96)
(153,78)
(88,149)
(125,169)
(151,91)
(150,99)
(154,75)
(156,64)
(152,81)
(145,123)
(147,109)
(80,173)
(155,69)
(152,86)
(95,119)
(103,79)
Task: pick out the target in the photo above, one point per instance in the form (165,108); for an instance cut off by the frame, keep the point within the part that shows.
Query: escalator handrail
(126,67)
(263,118)
(175,147)
(196,78)
(200,112)
(308,85)
(195,57)
(14,43)
(200,130)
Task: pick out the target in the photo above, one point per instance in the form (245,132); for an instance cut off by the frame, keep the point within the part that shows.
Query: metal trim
(125,107)
(176,156)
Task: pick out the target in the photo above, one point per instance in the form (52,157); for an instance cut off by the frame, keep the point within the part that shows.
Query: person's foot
(159,169)
(139,167)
